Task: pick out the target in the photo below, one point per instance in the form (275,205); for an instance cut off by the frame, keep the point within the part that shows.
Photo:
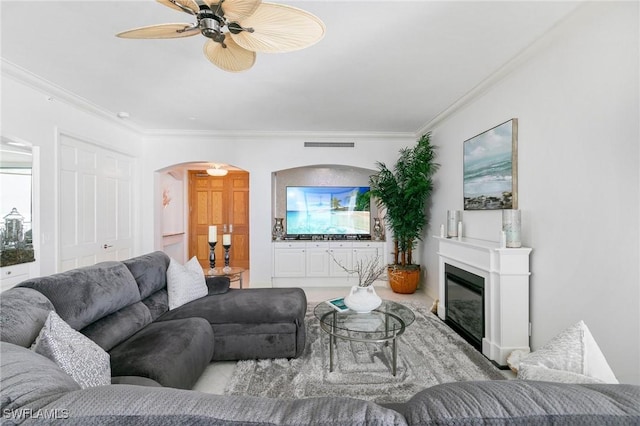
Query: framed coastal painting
(491,168)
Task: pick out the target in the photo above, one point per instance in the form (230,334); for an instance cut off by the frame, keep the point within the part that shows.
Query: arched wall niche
(316,175)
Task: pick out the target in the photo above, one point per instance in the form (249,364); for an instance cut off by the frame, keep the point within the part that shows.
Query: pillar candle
(226,239)
(213,234)
(441,231)
(459,229)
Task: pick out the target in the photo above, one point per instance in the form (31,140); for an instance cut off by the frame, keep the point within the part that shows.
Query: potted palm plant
(404,191)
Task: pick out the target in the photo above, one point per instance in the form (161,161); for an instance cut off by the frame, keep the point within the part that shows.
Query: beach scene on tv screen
(328,210)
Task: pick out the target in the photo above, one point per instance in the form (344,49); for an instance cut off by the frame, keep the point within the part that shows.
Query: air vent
(329,144)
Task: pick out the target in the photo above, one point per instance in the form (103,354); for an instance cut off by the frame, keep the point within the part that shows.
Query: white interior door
(96,211)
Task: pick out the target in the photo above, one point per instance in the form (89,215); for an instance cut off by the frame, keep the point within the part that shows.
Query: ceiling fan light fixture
(217,170)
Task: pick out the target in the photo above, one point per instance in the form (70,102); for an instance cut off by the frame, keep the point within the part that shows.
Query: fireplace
(489,290)
(464,304)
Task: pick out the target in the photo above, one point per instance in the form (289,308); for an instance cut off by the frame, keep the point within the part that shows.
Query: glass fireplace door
(464,301)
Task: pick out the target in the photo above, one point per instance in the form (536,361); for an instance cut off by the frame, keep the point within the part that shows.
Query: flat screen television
(328,210)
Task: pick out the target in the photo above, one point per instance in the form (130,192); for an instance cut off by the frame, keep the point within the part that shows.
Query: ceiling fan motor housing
(210,24)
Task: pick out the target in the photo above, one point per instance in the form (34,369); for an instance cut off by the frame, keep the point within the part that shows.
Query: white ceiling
(383,66)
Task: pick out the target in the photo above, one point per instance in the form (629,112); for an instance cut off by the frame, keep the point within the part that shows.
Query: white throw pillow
(575,351)
(185,283)
(76,354)
(545,374)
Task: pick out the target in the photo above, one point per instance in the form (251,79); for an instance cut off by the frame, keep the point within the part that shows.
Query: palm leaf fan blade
(279,28)
(233,58)
(189,4)
(160,31)
(237,10)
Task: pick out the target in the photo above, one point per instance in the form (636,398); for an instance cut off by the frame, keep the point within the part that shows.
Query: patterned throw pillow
(573,351)
(75,353)
(185,283)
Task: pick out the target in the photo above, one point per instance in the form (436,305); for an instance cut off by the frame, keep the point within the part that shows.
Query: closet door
(95,204)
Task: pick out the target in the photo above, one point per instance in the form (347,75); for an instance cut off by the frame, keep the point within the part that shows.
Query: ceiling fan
(237,29)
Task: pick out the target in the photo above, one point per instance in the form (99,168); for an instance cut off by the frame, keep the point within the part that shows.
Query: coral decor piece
(368,269)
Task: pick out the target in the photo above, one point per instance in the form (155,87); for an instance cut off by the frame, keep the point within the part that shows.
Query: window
(16,187)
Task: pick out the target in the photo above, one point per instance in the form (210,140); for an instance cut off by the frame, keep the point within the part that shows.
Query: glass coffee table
(382,325)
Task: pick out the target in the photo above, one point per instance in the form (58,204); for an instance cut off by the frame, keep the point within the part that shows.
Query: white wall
(260,155)
(39,117)
(38,112)
(576,99)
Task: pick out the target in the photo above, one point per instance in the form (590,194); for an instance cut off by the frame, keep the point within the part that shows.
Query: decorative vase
(453,217)
(377,229)
(362,299)
(278,229)
(511,227)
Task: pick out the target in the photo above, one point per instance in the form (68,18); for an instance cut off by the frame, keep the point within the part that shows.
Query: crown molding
(311,136)
(520,58)
(38,83)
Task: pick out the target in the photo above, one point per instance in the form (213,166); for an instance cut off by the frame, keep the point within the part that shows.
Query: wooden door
(237,189)
(95,206)
(219,201)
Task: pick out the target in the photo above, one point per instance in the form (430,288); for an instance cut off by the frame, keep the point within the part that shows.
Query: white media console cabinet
(311,263)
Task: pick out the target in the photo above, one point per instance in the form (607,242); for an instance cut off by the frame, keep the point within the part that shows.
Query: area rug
(429,353)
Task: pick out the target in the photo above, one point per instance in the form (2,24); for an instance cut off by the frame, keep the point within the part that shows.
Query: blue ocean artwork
(488,169)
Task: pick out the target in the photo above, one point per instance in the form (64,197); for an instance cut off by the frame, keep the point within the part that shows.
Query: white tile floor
(217,374)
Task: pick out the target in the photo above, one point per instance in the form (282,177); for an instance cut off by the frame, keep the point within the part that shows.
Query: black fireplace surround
(464,304)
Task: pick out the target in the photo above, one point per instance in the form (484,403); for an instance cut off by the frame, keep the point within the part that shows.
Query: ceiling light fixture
(217,170)
(237,29)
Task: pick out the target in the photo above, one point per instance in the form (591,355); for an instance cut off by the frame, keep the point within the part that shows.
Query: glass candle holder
(511,225)
(453,217)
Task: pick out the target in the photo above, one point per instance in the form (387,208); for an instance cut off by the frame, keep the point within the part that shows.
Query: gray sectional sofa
(123,307)
(156,354)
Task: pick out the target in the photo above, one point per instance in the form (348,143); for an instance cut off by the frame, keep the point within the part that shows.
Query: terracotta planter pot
(404,281)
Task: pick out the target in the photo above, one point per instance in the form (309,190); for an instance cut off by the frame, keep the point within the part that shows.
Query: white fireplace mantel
(506,291)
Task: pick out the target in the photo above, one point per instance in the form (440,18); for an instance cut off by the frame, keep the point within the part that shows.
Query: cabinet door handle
(106,246)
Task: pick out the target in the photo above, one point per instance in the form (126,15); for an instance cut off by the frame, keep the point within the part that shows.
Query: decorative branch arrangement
(368,269)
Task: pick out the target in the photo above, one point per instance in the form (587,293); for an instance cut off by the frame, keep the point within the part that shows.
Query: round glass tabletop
(388,317)
(220,272)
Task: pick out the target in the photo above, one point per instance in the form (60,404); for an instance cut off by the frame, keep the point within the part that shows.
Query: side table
(234,273)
